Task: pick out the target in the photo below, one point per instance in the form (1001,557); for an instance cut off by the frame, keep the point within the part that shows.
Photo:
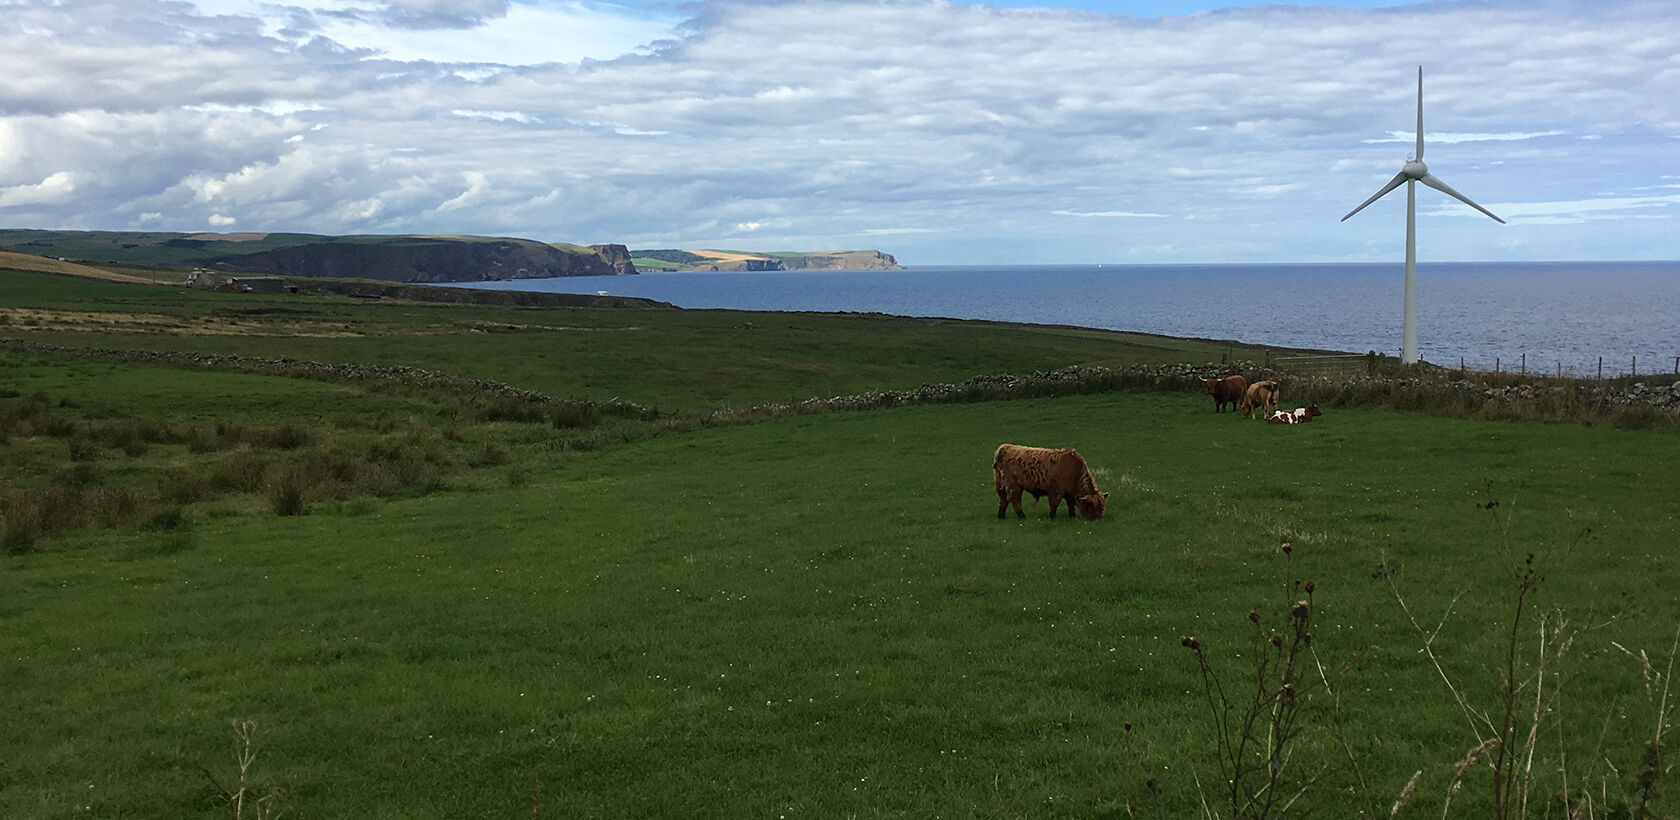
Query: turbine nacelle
(1414,169)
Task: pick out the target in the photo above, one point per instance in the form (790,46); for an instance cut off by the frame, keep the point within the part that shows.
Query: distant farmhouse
(211,280)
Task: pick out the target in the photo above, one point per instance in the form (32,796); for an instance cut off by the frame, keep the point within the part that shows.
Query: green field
(587,610)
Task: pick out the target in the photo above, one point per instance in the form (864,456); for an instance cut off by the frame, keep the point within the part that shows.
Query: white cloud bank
(939,132)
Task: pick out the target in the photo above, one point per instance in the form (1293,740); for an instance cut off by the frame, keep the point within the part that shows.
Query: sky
(943,132)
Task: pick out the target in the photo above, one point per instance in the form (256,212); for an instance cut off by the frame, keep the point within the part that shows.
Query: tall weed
(1262,717)
(1531,763)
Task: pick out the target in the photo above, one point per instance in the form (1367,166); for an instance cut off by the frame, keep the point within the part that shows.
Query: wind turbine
(1412,172)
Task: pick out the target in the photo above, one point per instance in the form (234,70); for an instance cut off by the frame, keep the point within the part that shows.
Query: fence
(1345,365)
(1329,365)
(1520,367)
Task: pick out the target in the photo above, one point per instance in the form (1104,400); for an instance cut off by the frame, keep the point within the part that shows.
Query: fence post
(1496,365)
(1601,368)
(1636,366)
(1525,364)
(1560,370)
(1677,365)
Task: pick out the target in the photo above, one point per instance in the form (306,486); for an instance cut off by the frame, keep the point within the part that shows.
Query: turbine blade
(1420,115)
(1437,184)
(1392,184)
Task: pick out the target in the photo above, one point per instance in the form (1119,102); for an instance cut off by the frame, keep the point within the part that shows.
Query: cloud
(950,132)
(1449,138)
(56,188)
(455,14)
(1111,214)
(477,187)
(1577,211)
(495,31)
(499,116)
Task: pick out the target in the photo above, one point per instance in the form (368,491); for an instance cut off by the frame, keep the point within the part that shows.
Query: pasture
(820,615)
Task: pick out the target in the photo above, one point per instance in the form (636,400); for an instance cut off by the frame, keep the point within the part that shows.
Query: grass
(802,615)
(707,625)
(677,360)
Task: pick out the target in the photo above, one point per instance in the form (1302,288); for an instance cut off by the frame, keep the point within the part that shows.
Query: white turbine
(1415,171)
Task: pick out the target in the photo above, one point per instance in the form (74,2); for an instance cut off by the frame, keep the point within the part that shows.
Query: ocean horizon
(1546,317)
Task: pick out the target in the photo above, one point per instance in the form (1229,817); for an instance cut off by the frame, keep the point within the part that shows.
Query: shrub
(17,537)
(402,477)
(575,414)
(490,456)
(82,448)
(201,441)
(332,468)
(184,486)
(507,408)
(112,506)
(242,472)
(172,517)
(80,475)
(285,494)
(55,427)
(284,437)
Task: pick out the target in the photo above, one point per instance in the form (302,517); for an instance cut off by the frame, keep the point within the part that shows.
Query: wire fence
(1347,365)
(1329,365)
(1605,368)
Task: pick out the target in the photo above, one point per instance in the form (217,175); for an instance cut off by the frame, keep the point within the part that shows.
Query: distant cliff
(716,260)
(617,256)
(397,258)
(435,259)
(408,258)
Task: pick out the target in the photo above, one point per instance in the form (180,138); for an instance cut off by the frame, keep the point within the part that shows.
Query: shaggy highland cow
(1228,390)
(1056,473)
(1260,396)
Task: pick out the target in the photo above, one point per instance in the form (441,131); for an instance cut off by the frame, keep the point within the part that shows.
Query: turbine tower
(1414,171)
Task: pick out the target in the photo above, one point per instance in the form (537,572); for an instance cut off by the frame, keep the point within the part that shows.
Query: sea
(1573,318)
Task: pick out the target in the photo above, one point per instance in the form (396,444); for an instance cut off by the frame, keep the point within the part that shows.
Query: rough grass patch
(508,408)
(17,536)
(171,517)
(81,448)
(490,456)
(285,490)
(569,415)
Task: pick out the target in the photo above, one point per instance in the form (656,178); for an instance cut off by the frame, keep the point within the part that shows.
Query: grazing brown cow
(1260,395)
(1228,390)
(1056,473)
(1300,415)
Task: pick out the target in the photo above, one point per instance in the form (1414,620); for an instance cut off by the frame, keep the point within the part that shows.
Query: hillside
(716,260)
(12,260)
(340,557)
(397,258)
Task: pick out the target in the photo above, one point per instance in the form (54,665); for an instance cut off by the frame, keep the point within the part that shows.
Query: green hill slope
(399,258)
